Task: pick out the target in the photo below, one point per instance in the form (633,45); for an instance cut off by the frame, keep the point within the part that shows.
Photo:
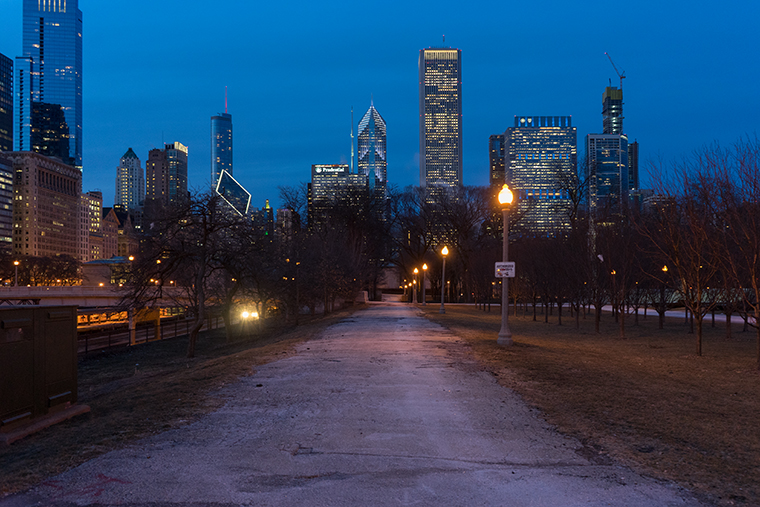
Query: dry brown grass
(142,391)
(648,400)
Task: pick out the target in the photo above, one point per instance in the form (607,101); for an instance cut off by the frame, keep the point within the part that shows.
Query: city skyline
(141,95)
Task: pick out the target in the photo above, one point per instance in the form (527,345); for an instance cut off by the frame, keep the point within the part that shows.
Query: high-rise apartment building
(166,175)
(612,110)
(130,182)
(496,161)
(440,81)
(540,159)
(371,148)
(6,203)
(221,146)
(47,196)
(6,103)
(49,81)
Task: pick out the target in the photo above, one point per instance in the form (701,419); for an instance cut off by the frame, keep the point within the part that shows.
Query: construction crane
(621,76)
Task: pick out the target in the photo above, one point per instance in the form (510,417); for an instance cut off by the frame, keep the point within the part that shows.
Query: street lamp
(15,263)
(444,253)
(414,284)
(424,269)
(505,335)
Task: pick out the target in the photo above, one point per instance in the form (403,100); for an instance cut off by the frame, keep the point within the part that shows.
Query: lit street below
(384,408)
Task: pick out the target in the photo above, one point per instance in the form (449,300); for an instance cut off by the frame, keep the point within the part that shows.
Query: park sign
(505,270)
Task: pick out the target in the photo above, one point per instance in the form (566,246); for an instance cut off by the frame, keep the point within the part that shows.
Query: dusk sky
(156,72)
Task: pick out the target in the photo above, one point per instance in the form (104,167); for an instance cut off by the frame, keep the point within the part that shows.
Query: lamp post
(444,253)
(15,263)
(505,335)
(424,270)
(414,284)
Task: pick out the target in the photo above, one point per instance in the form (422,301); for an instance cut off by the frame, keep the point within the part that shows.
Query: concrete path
(385,408)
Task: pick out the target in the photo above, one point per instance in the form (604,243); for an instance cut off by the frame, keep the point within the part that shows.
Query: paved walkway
(385,408)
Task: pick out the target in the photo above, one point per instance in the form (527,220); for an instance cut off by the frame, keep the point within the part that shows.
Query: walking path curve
(384,408)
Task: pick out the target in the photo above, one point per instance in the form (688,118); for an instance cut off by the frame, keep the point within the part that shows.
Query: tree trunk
(228,335)
(699,333)
(622,322)
(597,317)
(201,315)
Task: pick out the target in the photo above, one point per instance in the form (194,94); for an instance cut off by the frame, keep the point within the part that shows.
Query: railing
(118,335)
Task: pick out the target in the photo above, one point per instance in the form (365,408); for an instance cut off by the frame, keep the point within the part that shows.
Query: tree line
(696,244)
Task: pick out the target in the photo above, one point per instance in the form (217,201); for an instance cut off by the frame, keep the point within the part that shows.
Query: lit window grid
(541,162)
(440,117)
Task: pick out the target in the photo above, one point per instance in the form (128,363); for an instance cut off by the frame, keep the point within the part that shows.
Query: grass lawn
(143,390)
(646,400)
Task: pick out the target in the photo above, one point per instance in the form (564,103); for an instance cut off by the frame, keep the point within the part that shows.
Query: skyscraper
(496,161)
(166,175)
(6,103)
(612,167)
(49,81)
(130,182)
(540,159)
(440,81)
(372,148)
(612,110)
(333,185)
(608,178)
(221,146)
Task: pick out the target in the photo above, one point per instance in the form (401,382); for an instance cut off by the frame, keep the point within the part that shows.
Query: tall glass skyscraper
(49,81)
(6,103)
(612,110)
(540,159)
(221,146)
(440,80)
(608,178)
(130,182)
(372,148)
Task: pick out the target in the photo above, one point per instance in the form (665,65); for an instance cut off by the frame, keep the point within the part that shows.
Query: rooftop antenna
(225,100)
(352,140)
(444,39)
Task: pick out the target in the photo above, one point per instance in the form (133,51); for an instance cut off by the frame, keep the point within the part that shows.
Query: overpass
(78,295)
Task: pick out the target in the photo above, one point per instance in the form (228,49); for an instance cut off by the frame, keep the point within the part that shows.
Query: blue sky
(155,72)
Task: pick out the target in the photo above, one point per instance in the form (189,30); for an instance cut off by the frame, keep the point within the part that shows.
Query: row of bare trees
(697,244)
(214,259)
(30,270)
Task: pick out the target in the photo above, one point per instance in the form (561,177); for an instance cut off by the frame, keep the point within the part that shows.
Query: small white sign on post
(505,270)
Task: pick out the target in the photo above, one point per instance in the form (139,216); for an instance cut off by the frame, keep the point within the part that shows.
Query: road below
(384,408)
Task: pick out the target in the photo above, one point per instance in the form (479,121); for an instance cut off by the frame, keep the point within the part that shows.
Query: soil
(144,390)
(646,400)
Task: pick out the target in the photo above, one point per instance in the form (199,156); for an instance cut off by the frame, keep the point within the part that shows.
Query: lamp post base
(504,339)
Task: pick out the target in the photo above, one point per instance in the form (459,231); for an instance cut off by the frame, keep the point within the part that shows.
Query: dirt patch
(145,390)
(646,400)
